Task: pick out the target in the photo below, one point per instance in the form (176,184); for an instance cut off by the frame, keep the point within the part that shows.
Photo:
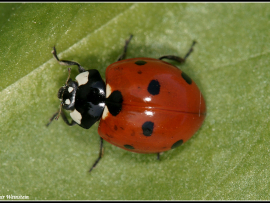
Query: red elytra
(162,107)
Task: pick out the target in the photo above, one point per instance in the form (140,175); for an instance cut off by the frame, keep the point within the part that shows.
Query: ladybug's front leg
(177,58)
(123,55)
(63,115)
(100,154)
(67,63)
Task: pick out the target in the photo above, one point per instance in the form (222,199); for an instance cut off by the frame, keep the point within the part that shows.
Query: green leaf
(226,159)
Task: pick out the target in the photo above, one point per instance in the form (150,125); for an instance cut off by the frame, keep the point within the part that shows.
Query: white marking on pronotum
(82,78)
(67,102)
(70,89)
(105,113)
(76,116)
(108,93)
(108,90)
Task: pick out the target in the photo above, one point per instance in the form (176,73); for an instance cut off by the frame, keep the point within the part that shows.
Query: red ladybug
(146,106)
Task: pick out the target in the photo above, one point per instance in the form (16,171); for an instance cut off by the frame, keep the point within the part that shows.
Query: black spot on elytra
(115,127)
(154,87)
(177,144)
(139,72)
(140,63)
(148,128)
(114,102)
(186,78)
(128,146)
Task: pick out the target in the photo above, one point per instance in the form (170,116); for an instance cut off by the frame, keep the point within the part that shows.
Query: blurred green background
(227,159)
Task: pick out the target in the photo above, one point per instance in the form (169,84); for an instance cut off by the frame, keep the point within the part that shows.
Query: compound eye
(60,93)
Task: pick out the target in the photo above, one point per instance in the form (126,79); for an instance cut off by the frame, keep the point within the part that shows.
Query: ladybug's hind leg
(123,55)
(100,154)
(177,58)
(158,156)
(67,63)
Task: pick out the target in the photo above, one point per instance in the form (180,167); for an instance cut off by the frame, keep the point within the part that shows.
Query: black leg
(177,58)
(158,156)
(67,63)
(100,155)
(123,55)
(51,119)
(63,115)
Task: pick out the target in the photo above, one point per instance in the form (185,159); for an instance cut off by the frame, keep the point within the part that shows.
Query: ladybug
(146,105)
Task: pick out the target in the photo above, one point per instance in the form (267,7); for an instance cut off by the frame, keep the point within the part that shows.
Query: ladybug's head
(67,94)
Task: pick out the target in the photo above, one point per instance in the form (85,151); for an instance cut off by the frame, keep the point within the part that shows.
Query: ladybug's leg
(100,155)
(123,55)
(64,118)
(53,117)
(67,63)
(158,156)
(177,58)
